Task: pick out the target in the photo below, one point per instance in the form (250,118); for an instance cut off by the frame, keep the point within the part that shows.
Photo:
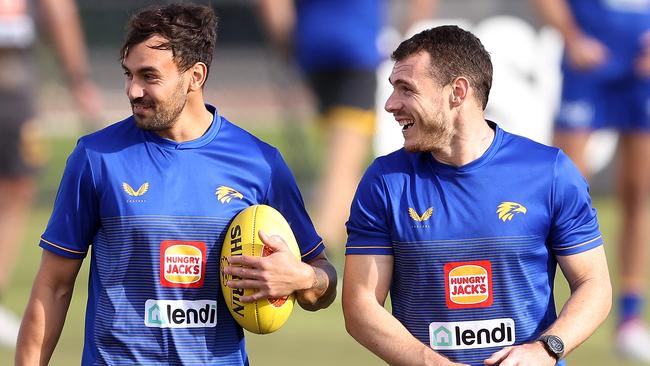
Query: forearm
(322,292)
(381,333)
(557,14)
(66,34)
(278,17)
(584,311)
(42,324)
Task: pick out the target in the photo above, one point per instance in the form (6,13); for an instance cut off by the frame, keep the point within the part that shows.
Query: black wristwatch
(554,345)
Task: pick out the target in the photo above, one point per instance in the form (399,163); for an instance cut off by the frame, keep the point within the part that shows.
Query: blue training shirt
(474,247)
(155,213)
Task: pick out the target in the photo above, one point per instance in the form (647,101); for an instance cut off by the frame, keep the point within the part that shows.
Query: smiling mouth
(139,108)
(406,124)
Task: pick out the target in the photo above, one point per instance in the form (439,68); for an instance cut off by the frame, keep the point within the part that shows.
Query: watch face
(555,344)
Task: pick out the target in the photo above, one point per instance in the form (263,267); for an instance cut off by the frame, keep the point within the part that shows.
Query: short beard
(165,115)
(434,135)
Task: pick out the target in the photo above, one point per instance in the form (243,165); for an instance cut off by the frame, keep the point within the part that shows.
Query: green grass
(319,338)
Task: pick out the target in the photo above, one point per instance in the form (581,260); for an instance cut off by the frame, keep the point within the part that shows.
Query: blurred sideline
(250,89)
(240,85)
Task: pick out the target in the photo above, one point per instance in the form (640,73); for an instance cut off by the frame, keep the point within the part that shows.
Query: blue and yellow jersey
(154,213)
(338,34)
(475,246)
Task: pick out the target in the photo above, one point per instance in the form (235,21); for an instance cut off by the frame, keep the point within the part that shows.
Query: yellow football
(265,315)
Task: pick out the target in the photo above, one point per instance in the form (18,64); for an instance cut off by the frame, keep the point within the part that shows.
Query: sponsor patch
(182,263)
(468,284)
(472,334)
(180,313)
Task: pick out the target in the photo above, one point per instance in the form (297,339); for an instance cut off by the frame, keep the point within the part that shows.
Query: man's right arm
(46,310)
(366,284)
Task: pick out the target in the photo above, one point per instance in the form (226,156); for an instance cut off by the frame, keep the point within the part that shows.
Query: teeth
(405,122)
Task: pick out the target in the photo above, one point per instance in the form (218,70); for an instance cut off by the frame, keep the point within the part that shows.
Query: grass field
(307,339)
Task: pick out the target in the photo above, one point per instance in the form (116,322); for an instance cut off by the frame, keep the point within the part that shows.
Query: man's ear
(198,75)
(459,91)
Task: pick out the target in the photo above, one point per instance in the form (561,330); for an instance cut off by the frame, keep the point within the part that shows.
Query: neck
(470,139)
(191,124)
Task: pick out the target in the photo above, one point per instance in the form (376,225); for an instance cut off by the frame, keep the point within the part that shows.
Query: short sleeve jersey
(155,213)
(475,246)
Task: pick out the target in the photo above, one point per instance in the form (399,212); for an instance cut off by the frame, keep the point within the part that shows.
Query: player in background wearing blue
(606,71)
(465,226)
(335,44)
(21,150)
(153,195)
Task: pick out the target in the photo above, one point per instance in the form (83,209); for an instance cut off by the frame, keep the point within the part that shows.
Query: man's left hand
(522,355)
(276,275)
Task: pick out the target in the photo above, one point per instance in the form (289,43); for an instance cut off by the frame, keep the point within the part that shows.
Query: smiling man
(144,193)
(465,227)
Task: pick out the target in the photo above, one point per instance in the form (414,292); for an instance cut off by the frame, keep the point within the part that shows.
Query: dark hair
(190,31)
(454,52)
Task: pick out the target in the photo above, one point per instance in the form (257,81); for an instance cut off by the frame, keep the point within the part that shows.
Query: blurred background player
(335,44)
(21,151)
(606,70)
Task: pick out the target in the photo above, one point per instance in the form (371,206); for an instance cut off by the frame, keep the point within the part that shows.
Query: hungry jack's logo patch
(468,284)
(182,263)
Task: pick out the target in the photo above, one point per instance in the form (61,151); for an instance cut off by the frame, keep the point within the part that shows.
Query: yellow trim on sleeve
(62,248)
(311,251)
(373,247)
(581,244)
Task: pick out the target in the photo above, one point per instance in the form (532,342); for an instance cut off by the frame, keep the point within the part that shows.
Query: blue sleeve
(369,227)
(574,228)
(75,217)
(284,196)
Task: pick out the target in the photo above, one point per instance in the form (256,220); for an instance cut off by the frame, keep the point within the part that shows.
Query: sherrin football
(265,315)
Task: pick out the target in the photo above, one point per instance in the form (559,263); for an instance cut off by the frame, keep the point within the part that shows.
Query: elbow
(603,287)
(349,314)
(607,299)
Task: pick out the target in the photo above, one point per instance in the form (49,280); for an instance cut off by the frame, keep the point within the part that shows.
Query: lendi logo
(131,192)
(226,194)
(472,334)
(424,217)
(180,313)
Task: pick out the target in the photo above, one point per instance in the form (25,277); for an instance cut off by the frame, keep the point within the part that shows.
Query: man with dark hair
(465,226)
(148,194)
